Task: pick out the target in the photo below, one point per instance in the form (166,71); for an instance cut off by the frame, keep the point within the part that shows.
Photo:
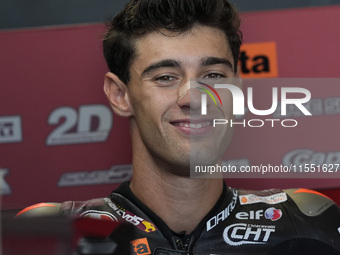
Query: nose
(189,96)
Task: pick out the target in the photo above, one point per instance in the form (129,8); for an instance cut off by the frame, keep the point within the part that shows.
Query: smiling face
(165,114)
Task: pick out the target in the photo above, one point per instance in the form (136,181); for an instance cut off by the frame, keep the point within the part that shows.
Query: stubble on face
(161,118)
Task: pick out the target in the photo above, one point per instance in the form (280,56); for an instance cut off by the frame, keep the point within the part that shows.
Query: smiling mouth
(193,125)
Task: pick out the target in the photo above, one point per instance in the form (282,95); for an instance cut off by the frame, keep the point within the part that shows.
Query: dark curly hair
(140,17)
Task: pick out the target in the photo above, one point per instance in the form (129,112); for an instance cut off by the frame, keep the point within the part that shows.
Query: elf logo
(272,214)
(140,246)
(258,60)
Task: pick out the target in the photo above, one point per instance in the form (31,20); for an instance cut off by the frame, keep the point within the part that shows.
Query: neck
(179,201)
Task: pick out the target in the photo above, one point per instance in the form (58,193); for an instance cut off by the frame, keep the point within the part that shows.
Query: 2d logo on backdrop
(92,123)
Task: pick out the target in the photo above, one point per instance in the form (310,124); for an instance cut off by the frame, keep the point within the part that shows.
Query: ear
(117,93)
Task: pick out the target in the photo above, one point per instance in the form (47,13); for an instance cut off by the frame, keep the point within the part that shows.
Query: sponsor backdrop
(59,140)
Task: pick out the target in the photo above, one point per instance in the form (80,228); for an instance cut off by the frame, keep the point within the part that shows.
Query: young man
(154,48)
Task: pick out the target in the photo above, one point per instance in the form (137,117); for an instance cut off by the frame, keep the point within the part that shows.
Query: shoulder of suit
(40,209)
(310,202)
(65,208)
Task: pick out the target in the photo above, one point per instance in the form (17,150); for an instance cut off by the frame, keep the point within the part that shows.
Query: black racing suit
(243,222)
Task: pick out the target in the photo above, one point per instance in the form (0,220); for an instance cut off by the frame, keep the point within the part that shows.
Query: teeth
(194,125)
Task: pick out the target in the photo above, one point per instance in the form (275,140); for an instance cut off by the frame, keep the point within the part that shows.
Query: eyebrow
(209,61)
(161,64)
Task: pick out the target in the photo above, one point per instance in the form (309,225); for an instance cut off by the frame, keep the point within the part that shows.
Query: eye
(165,78)
(214,76)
